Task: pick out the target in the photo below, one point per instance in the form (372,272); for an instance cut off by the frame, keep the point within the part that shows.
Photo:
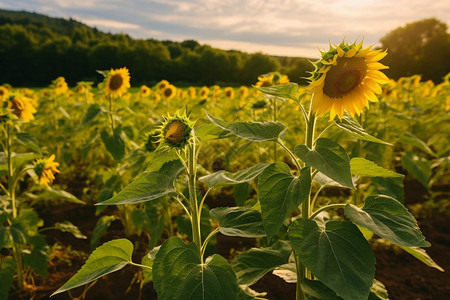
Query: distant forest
(35,49)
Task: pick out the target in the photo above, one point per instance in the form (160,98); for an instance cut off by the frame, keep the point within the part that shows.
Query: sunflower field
(334,190)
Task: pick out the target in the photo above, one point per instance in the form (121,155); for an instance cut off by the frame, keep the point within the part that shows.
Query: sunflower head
(204,92)
(117,82)
(346,78)
(60,86)
(229,93)
(265,80)
(3,93)
(169,92)
(22,107)
(243,91)
(151,141)
(192,92)
(176,131)
(144,91)
(162,84)
(45,169)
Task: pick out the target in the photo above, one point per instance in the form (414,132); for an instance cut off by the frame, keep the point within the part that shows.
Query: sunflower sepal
(176,131)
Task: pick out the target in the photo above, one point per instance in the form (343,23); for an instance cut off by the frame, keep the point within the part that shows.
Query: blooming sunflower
(45,169)
(229,93)
(3,93)
(192,92)
(145,91)
(60,85)
(117,81)
(243,91)
(169,92)
(204,92)
(22,107)
(162,84)
(265,80)
(346,78)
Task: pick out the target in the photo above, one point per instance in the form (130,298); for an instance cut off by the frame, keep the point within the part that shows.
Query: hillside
(36,49)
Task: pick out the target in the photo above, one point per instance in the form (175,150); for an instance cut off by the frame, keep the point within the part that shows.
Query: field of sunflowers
(274,191)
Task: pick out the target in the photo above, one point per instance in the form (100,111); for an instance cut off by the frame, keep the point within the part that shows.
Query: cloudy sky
(277,27)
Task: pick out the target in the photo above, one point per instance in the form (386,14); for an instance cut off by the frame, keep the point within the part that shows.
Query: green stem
(11,184)
(275,158)
(300,295)
(195,213)
(139,265)
(208,238)
(111,115)
(302,272)
(17,254)
(294,158)
(336,205)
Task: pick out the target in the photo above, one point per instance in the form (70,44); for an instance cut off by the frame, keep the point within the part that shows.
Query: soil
(404,276)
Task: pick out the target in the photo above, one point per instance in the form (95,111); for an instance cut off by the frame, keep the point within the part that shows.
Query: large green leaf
(238,221)
(316,290)
(329,158)
(251,131)
(148,186)
(37,259)
(280,193)
(349,125)
(100,228)
(67,226)
(363,167)
(423,256)
(114,144)
(29,141)
(55,194)
(227,178)
(389,219)
(288,91)
(253,264)
(419,168)
(179,274)
(109,257)
(93,111)
(390,186)
(410,139)
(7,269)
(206,132)
(337,254)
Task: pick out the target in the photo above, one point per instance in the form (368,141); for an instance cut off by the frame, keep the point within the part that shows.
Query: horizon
(273,27)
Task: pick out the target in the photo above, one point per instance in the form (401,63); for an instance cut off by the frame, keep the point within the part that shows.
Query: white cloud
(110,24)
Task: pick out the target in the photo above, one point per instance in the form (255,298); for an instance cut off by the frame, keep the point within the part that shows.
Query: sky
(274,27)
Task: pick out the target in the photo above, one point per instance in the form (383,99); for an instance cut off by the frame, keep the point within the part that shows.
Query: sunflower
(117,82)
(22,107)
(204,92)
(169,92)
(265,80)
(192,92)
(162,84)
(60,85)
(229,93)
(145,91)
(3,93)
(45,169)
(346,78)
(176,131)
(243,91)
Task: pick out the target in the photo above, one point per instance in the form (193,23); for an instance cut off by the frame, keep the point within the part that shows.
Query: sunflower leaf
(349,125)
(251,131)
(288,91)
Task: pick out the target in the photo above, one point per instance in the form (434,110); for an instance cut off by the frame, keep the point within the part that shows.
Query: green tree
(422,47)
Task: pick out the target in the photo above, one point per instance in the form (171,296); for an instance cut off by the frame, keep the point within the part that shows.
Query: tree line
(35,49)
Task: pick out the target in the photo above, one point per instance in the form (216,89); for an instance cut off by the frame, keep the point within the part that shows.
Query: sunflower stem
(274,119)
(195,213)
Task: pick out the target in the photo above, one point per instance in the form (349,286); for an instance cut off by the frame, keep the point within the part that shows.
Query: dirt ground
(404,276)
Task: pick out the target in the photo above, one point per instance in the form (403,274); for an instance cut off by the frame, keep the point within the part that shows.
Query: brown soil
(404,276)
